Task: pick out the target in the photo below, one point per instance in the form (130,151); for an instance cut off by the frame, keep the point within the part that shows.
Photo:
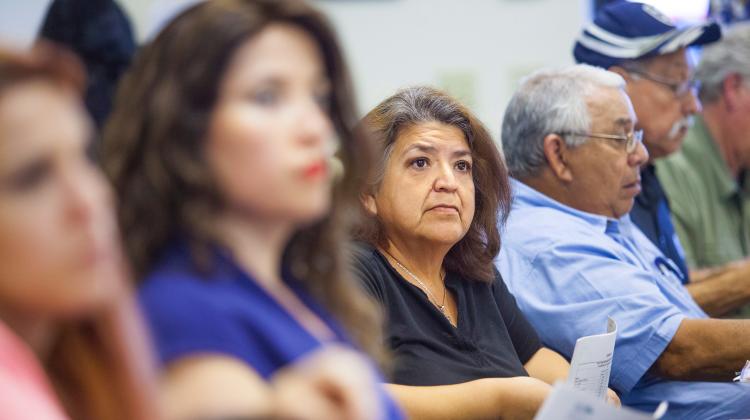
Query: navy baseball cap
(625,30)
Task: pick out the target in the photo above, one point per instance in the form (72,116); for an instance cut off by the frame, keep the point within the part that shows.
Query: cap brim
(592,50)
(690,36)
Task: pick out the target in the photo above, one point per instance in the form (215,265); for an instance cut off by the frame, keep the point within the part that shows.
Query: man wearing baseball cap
(708,181)
(642,45)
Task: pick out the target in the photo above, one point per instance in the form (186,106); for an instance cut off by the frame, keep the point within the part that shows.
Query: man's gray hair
(550,101)
(723,58)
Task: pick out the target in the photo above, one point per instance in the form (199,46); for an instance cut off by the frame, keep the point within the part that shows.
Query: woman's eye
(463,166)
(266,97)
(419,163)
(29,177)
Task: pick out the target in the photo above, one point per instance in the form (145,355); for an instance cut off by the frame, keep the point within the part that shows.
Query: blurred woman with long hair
(65,302)
(220,149)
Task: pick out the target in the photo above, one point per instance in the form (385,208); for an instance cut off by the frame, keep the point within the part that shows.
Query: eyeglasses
(631,140)
(679,89)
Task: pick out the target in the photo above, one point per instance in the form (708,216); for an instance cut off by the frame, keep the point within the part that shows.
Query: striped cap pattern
(626,30)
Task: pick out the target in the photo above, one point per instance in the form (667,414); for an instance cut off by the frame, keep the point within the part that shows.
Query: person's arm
(540,362)
(488,398)
(214,367)
(590,284)
(330,383)
(720,291)
(548,366)
(127,349)
(705,350)
(212,386)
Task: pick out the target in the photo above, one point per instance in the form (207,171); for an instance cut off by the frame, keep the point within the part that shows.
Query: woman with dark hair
(219,148)
(461,346)
(64,296)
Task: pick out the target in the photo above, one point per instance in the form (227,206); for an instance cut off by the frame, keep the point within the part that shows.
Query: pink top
(25,392)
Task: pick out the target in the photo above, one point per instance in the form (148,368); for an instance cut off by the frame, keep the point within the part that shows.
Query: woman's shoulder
(496,287)
(174,279)
(177,291)
(203,274)
(366,260)
(175,296)
(370,269)
(362,252)
(221,311)
(456,276)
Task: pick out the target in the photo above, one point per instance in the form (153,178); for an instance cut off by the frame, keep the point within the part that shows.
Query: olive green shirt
(710,210)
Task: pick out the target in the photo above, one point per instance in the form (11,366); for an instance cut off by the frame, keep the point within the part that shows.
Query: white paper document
(592,362)
(565,403)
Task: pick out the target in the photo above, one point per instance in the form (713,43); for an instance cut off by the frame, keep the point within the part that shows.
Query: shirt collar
(652,192)
(526,195)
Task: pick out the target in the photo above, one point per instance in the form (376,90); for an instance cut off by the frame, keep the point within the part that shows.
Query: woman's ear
(556,152)
(368,202)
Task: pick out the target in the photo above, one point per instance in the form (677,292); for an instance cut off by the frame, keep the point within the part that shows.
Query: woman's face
(427,192)
(58,244)
(270,136)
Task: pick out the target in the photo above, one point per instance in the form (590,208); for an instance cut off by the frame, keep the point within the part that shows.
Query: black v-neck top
(492,337)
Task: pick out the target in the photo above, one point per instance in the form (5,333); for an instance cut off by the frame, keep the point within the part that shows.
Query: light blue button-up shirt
(570,270)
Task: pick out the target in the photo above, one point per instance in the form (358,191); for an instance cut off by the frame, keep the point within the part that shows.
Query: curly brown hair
(153,148)
(472,256)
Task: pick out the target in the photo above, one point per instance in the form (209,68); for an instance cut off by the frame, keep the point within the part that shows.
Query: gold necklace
(431,297)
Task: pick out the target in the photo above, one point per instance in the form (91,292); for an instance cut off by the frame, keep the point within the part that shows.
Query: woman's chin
(311,213)
(444,235)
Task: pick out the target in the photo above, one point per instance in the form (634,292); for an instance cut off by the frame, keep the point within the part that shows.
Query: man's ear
(621,71)
(633,90)
(557,152)
(730,90)
(368,202)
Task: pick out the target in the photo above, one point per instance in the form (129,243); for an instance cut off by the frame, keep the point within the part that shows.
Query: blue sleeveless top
(225,311)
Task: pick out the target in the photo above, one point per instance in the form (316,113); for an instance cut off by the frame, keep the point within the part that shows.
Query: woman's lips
(316,170)
(444,209)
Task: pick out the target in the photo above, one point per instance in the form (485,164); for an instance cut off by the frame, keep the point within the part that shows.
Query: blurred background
(477,50)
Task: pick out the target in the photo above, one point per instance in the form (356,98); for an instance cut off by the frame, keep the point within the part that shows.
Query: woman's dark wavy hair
(153,148)
(472,256)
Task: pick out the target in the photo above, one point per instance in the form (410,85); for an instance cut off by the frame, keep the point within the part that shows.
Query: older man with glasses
(572,257)
(642,45)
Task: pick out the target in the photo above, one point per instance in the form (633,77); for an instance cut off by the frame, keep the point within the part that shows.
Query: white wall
(20,21)
(475,49)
